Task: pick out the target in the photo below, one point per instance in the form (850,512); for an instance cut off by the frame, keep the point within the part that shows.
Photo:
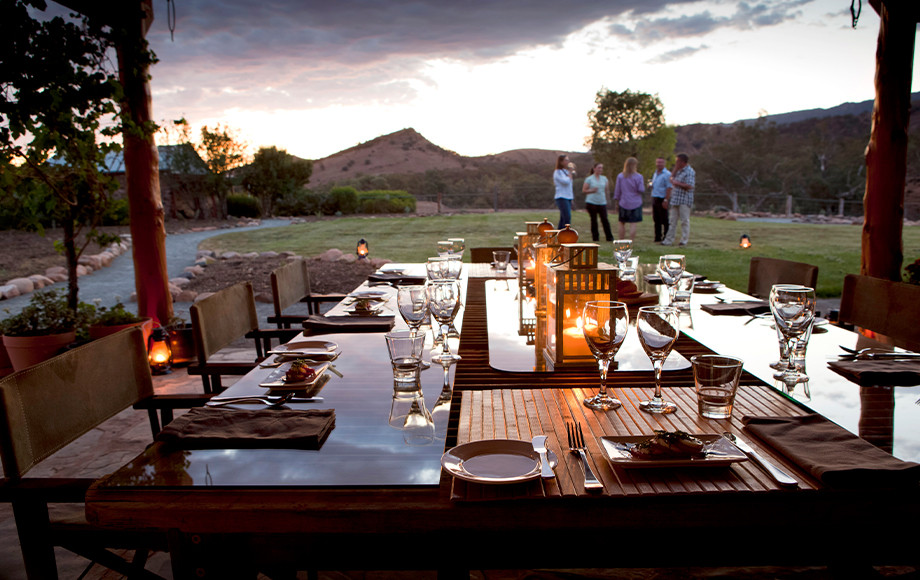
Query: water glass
(500,260)
(405,347)
(457,246)
(716,380)
(622,250)
(684,291)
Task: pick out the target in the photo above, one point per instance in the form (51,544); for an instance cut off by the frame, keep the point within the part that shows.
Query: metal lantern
(363,249)
(745,241)
(571,284)
(547,252)
(159,353)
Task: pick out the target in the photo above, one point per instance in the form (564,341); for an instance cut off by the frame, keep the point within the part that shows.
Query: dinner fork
(577,444)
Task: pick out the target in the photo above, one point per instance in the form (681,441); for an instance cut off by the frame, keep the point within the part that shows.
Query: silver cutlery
(539,445)
(317,355)
(780,476)
(876,353)
(731,301)
(267,401)
(577,445)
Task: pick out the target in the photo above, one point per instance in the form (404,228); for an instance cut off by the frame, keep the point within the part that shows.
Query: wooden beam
(886,154)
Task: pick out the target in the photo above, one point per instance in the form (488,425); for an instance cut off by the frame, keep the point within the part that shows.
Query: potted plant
(111,320)
(41,329)
(6,367)
(181,340)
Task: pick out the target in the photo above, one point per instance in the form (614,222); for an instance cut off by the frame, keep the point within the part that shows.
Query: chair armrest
(177,401)
(224,368)
(45,489)
(324,298)
(279,333)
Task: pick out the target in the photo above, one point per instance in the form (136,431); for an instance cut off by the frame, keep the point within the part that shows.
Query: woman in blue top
(598,189)
(563,178)
(628,194)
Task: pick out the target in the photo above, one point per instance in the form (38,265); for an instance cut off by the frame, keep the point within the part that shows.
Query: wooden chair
(484,255)
(765,272)
(221,319)
(291,284)
(888,308)
(42,409)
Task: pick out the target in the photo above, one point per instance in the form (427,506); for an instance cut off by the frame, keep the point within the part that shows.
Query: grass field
(713,249)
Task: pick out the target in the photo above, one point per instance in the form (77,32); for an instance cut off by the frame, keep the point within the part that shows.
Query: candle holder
(159,353)
(548,252)
(363,249)
(571,284)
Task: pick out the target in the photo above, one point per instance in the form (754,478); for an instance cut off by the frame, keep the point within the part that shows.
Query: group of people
(672,198)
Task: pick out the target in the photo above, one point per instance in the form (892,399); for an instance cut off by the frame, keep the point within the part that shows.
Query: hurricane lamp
(159,354)
(745,242)
(363,249)
(548,252)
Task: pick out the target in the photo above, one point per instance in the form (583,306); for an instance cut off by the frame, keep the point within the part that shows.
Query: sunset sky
(483,77)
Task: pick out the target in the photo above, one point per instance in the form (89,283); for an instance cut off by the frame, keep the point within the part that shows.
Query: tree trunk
(886,154)
(142,169)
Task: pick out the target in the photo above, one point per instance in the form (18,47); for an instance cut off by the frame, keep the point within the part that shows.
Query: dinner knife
(539,445)
(254,397)
(780,476)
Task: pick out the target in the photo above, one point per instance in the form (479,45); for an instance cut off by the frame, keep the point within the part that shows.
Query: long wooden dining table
(367,500)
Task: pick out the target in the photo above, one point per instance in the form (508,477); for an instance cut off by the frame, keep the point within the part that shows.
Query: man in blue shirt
(661,189)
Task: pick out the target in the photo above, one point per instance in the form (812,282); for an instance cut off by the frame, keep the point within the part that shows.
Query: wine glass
(793,309)
(412,302)
(443,302)
(658,327)
(670,268)
(445,248)
(433,267)
(622,250)
(451,267)
(457,246)
(605,327)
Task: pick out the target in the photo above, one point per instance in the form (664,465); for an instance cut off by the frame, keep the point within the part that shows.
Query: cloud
(746,17)
(676,54)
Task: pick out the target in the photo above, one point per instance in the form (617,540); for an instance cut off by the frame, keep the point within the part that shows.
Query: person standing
(598,189)
(661,189)
(628,195)
(679,202)
(563,178)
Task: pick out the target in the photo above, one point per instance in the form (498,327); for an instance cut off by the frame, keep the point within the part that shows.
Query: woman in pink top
(628,195)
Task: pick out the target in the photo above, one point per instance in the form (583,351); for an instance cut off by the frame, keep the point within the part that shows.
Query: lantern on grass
(363,249)
(745,242)
(571,284)
(159,353)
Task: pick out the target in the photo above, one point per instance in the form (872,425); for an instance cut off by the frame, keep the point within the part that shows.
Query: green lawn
(713,248)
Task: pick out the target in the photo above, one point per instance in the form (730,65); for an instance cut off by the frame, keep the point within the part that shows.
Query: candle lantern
(571,284)
(548,252)
(527,320)
(745,241)
(543,228)
(159,354)
(363,249)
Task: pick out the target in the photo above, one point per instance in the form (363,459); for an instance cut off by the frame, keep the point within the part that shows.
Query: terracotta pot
(96,332)
(26,351)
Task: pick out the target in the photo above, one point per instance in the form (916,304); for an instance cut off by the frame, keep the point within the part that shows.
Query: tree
(222,150)
(629,124)
(58,97)
(273,174)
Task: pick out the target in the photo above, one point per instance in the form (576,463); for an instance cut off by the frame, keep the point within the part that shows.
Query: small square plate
(720,453)
(276,382)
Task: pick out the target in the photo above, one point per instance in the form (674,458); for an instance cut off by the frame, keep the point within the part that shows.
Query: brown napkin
(831,453)
(867,373)
(207,428)
(737,308)
(398,279)
(349,323)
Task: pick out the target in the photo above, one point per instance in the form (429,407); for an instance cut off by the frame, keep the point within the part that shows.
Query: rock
(180,282)
(331,255)
(57,277)
(203,295)
(8,291)
(268,254)
(40,281)
(186,296)
(378,262)
(106,259)
(265,297)
(209,229)
(204,254)
(24,285)
(287,254)
(250,255)
(55,270)
(241,224)
(133,297)
(85,269)
(229,255)
(294,258)
(202,262)
(196,270)
(95,262)
(348,258)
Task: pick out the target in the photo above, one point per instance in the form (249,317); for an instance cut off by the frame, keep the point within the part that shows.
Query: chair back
(882,306)
(484,255)
(47,406)
(222,318)
(765,272)
(290,283)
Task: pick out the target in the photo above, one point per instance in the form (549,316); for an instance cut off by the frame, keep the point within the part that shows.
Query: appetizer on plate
(668,445)
(299,372)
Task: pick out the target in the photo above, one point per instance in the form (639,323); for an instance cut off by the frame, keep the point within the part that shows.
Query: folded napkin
(220,428)
(831,453)
(656,279)
(867,373)
(397,279)
(349,323)
(736,308)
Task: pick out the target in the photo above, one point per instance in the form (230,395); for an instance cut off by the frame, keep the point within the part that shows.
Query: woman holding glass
(562,178)
(628,195)
(598,189)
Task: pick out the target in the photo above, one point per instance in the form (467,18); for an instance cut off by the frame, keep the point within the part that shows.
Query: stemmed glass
(622,250)
(445,248)
(412,302)
(605,327)
(457,246)
(434,267)
(443,302)
(658,327)
(793,309)
(670,268)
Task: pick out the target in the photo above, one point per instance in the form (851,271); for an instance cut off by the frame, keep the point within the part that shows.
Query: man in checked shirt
(680,200)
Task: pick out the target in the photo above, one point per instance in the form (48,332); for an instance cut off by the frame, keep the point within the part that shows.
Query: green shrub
(243,206)
(385,201)
(299,203)
(117,214)
(341,199)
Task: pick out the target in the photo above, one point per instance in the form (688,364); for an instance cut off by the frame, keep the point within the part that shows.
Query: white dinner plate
(495,461)
(723,453)
(276,382)
(373,309)
(369,295)
(308,347)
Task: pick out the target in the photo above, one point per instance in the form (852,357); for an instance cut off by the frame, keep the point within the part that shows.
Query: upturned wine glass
(670,268)
(622,250)
(793,309)
(658,328)
(605,327)
(443,302)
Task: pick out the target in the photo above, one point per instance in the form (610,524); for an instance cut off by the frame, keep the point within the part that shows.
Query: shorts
(629,216)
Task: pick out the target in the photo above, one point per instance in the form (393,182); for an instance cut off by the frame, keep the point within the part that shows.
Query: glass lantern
(571,284)
(363,249)
(548,252)
(159,353)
